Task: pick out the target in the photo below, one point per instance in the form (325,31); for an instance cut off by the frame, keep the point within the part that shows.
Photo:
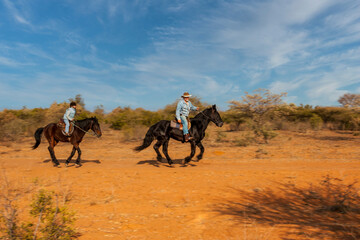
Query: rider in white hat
(182,113)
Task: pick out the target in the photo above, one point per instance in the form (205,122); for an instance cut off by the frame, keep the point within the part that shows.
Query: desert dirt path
(120,194)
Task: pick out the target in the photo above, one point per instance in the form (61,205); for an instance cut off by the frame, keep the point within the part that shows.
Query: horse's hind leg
(165,151)
(53,143)
(71,155)
(78,160)
(202,149)
(193,148)
(156,147)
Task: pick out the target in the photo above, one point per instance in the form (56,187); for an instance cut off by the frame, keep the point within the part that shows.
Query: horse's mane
(84,122)
(201,114)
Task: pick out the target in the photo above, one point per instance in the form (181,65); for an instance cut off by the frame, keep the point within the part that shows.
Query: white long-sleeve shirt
(70,114)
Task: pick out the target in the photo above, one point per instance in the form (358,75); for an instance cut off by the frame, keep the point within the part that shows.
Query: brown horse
(54,135)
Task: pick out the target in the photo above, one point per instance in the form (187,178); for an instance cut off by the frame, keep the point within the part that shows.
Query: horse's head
(95,126)
(214,116)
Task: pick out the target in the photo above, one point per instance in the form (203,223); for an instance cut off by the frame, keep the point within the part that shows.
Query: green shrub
(50,221)
(316,122)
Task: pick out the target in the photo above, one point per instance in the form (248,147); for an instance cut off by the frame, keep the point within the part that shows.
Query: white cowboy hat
(186,94)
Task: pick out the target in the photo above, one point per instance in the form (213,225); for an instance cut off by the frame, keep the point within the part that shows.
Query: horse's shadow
(164,163)
(72,163)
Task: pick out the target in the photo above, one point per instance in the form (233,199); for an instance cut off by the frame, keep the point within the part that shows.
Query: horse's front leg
(193,149)
(165,151)
(202,149)
(71,155)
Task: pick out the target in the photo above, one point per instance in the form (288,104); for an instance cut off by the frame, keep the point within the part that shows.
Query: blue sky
(146,53)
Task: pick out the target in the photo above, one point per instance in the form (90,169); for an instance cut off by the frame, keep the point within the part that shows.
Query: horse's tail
(149,137)
(37,136)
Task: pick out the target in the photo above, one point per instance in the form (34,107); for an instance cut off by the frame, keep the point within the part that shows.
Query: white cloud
(8,62)
(16,13)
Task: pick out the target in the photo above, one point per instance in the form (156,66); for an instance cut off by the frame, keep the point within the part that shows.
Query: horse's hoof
(66,164)
(57,165)
(78,164)
(187,159)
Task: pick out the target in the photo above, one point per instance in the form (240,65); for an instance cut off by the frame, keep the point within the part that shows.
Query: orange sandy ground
(120,194)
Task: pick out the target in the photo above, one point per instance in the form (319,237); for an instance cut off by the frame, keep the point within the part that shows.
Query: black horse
(162,132)
(54,135)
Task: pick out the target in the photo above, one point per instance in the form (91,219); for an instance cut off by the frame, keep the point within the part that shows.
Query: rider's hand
(197,109)
(179,121)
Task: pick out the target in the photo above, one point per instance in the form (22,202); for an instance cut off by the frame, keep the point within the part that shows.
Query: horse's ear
(214,107)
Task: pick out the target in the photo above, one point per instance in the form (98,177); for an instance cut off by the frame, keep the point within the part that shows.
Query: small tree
(259,107)
(79,100)
(350,100)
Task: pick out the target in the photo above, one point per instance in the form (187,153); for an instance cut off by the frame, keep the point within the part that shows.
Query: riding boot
(188,137)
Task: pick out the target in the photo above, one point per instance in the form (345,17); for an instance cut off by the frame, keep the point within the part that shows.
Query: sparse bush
(260,153)
(221,136)
(54,222)
(124,118)
(134,133)
(246,140)
(13,130)
(268,134)
(260,108)
(50,221)
(316,122)
(235,119)
(241,142)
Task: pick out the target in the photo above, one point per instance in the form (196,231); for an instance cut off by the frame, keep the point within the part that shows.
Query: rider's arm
(178,109)
(67,114)
(192,107)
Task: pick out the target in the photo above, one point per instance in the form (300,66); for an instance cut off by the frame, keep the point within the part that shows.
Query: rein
(207,116)
(93,133)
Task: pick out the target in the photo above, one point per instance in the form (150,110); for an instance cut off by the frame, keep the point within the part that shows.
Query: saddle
(61,124)
(174,124)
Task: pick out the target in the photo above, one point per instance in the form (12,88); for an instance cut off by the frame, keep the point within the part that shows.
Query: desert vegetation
(259,114)
(48,215)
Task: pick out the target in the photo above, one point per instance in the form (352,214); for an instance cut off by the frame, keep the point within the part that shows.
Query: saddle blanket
(175,124)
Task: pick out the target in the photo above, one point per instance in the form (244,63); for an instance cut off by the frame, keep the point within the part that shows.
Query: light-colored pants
(185,125)
(67,125)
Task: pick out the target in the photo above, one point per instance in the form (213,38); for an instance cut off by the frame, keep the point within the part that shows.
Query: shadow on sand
(164,163)
(72,163)
(344,137)
(329,210)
